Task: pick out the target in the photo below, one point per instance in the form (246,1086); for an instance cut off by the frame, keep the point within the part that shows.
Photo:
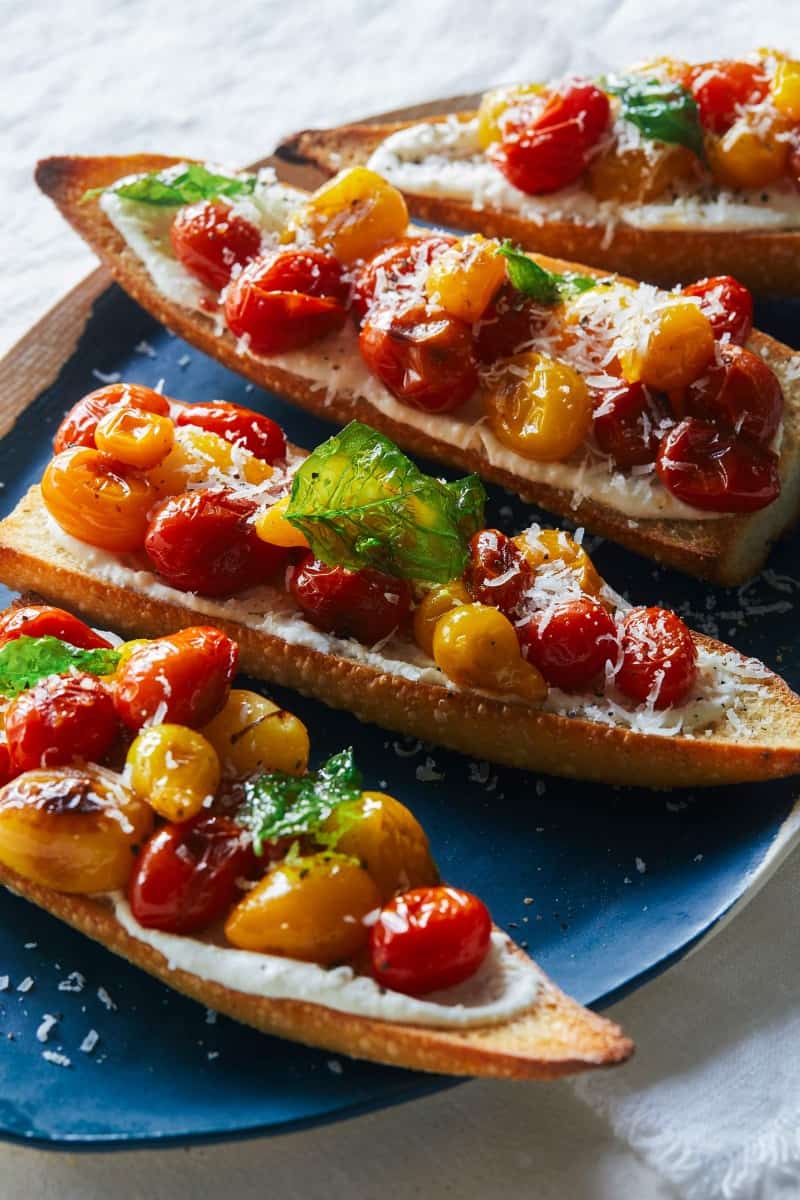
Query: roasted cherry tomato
(509,326)
(181,679)
(727,304)
(740,393)
(717,471)
(98,500)
(424,359)
(658,658)
(42,620)
(366,604)
(497,573)
(79,425)
(428,939)
(544,149)
(7,769)
(721,88)
(240,426)
(205,542)
(185,877)
(210,239)
(287,301)
(399,269)
(60,718)
(627,423)
(569,643)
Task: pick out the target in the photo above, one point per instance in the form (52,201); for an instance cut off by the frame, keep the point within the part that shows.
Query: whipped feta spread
(444,158)
(505,985)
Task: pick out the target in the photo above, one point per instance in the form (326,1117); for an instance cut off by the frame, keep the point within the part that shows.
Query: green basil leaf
(661,109)
(362,503)
(173,186)
(26,660)
(536,282)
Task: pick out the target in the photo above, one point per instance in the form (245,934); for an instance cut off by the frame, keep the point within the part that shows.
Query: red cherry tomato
(543,150)
(721,88)
(7,770)
(185,877)
(399,270)
(41,620)
(287,301)
(740,393)
(509,326)
(716,471)
(79,425)
(428,939)
(659,658)
(497,572)
(205,542)
(240,426)
(60,718)
(727,304)
(424,359)
(570,643)
(366,604)
(183,679)
(209,238)
(627,424)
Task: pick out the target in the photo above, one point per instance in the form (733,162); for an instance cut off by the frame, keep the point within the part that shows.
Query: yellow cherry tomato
(636,176)
(97,500)
(135,437)
(433,605)
(74,830)
(199,456)
(310,908)
(539,407)
(271,526)
(463,278)
(175,769)
(252,734)
(476,646)
(388,841)
(555,545)
(352,215)
(746,157)
(676,350)
(786,89)
(495,104)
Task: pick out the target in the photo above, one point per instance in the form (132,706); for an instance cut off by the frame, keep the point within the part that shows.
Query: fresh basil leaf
(541,285)
(661,109)
(278,805)
(172,186)
(362,503)
(26,660)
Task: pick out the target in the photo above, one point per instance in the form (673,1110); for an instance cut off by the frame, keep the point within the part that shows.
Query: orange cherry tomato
(210,239)
(79,425)
(240,426)
(715,470)
(721,88)
(42,620)
(99,501)
(397,273)
(659,658)
(426,359)
(181,679)
(727,304)
(366,604)
(570,644)
(134,437)
(739,392)
(544,149)
(60,719)
(287,301)
(497,572)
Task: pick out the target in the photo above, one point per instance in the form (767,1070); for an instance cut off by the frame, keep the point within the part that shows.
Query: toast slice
(768,262)
(726,550)
(761,743)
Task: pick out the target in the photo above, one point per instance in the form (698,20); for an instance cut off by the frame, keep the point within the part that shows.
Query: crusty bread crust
(767,262)
(476,724)
(728,550)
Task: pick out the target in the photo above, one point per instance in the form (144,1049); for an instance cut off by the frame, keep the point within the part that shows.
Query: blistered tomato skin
(60,719)
(548,148)
(79,425)
(425,359)
(658,662)
(398,270)
(251,735)
(477,646)
(428,939)
(185,877)
(720,88)
(287,301)
(716,471)
(387,840)
(97,500)
(209,239)
(728,305)
(497,572)
(539,406)
(627,424)
(509,326)
(205,542)
(135,438)
(741,393)
(174,769)
(570,644)
(366,604)
(7,770)
(258,433)
(42,620)
(182,679)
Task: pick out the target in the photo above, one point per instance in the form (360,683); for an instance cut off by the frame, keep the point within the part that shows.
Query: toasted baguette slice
(514,734)
(768,262)
(727,550)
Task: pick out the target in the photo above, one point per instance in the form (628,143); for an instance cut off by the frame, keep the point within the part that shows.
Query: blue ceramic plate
(605,886)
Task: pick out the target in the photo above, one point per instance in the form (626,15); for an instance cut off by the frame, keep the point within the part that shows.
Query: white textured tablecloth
(711,1105)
